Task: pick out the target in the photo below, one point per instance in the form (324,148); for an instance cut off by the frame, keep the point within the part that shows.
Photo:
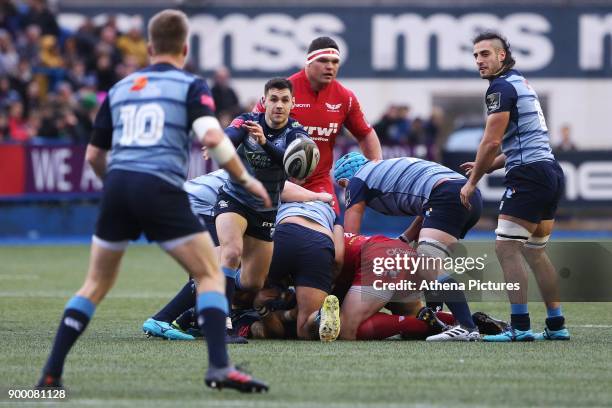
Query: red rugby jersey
(323,115)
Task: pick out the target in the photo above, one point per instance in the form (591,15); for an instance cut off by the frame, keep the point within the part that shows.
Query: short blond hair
(168,32)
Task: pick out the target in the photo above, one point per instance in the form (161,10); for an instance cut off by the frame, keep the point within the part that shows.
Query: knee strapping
(537,242)
(511,231)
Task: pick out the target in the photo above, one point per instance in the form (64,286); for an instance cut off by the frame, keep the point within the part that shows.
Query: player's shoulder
(339,89)
(297,77)
(243,117)
(506,80)
(294,126)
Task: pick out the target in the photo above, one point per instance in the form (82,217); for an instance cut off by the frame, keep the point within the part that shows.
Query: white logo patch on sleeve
(493,101)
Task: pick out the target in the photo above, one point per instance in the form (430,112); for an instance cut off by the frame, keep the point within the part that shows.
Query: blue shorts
(305,255)
(260,225)
(445,212)
(209,222)
(133,203)
(533,191)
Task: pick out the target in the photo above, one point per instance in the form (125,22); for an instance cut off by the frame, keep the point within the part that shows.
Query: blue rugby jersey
(203,191)
(317,211)
(526,138)
(259,163)
(396,186)
(149,114)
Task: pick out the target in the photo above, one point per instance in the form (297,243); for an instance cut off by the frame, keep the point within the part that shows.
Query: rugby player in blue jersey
(534,184)
(429,191)
(145,122)
(175,320)
(244,224)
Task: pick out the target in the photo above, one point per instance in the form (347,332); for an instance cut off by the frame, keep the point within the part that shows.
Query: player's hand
(205,155)
(254,186)
(466,193)
(255,131)
(467,167)
(325,197)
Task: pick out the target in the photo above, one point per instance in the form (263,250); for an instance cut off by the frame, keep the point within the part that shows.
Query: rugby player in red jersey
(323,106)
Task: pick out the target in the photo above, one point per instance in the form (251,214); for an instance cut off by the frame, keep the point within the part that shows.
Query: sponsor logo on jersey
(223,204)
(333,108)
(302,105)
(322,132)
(493,101)
(258,160)
(139,83)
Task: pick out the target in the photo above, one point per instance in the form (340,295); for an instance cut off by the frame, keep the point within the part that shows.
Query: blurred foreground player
(534,185)
(145,122)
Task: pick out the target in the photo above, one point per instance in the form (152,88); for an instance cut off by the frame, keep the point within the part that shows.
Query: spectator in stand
(79,77)
(52,64)
(432,132)
(133,44)
(8,56)
(566,144)
(4,130)
(86,40)
(105,72)
(108,44)
(19,130)
(416,136)
(382,126)
(28,45)
(8,95)
(226,99)
(9,18)
(40,15)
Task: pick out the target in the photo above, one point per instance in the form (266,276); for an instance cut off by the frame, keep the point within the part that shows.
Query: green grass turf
(113,364)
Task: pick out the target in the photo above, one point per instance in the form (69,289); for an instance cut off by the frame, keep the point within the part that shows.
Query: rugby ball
(301,158)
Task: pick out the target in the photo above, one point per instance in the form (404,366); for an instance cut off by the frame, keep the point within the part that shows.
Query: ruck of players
(268,251)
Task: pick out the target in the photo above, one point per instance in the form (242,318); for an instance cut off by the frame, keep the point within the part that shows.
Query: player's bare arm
(96,157)
(295,193)
(412,232)
(370,146)
(353,217)
(498,163)
(487,151)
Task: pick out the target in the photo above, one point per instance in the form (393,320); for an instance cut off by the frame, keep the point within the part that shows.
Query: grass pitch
(113,364)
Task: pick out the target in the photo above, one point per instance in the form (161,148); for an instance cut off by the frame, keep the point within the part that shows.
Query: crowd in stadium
(53,80)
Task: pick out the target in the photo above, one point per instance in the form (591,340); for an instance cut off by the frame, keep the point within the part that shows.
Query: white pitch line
(592,326)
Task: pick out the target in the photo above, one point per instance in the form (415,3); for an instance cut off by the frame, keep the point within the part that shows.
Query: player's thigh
(356,308)
(197,256)
(230,228)
(544,228)
(256,259)
(102,272)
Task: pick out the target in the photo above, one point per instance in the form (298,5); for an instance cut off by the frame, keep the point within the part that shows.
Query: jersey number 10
(143,125)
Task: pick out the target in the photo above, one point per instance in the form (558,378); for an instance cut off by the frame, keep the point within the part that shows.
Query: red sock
(381,325)
(447,318)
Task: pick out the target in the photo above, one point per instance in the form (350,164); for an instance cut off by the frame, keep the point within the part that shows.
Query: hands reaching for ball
(255,131)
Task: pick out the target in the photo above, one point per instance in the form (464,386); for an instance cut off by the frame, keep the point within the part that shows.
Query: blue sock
(237,279)
(555,320)
(554,312)
(230,284)
(519,316)
(212,311)
(184,300)
(457,304)
(77,313)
